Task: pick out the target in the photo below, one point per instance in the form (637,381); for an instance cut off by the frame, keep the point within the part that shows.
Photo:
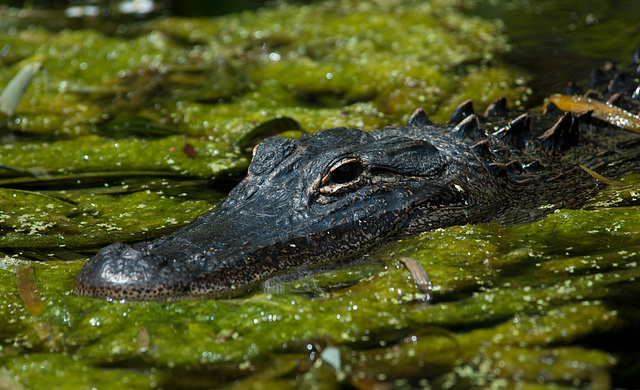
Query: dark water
(561,41)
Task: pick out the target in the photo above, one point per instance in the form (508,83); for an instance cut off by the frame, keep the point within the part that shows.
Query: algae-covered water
(134,126)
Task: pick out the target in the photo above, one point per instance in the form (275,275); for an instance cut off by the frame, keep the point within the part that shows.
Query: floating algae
(511,304)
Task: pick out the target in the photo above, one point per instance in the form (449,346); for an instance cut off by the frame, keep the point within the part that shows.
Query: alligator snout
(122,271)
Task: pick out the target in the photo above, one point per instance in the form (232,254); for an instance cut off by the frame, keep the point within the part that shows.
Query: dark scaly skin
(330,196)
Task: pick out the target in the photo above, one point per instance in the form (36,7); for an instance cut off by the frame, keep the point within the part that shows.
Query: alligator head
(334,194)
(305,202)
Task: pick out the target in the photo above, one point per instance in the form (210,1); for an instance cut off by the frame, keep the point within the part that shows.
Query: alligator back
(542,161)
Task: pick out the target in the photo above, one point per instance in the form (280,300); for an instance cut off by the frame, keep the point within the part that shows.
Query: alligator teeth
(635,59)
(501,170)
(562,135)
(419,118)
(469,128)
(517,132)
(497,108)
(464,110)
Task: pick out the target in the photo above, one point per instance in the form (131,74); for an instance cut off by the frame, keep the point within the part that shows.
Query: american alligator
(330,196)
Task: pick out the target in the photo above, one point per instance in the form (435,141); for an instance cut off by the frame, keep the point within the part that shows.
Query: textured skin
(337,193)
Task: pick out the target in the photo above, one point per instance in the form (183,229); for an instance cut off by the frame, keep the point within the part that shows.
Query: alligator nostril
(129,253)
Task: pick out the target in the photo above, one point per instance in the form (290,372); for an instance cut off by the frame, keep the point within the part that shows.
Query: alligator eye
(345,172)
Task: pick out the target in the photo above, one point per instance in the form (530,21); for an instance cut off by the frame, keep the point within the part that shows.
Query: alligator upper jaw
(232,249)
(180,266)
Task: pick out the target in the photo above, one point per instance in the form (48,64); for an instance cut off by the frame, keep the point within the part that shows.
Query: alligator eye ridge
(345,172)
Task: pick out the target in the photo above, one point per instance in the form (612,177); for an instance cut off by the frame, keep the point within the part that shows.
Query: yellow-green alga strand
(222,122)
(571,366)
(561,325)
(533,369)
(406,54)
(501,302)
(81,64)
(428,353)
(42,370)
(12,311)
(85,58)
(618,196)
(63,114)
(435,351)
(565,230)
(91,221)
(92,153)
(525,347)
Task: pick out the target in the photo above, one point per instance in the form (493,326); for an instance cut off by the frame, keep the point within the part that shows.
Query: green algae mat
(130,133)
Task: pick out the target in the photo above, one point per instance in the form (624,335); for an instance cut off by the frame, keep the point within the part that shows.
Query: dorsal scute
(562,135)
(419,118)
(552,109)
(498,169)
(584,119)
(514,166)
(573,89)
(469,127)
(498,108)
(516,133)
(464,110)
(481,149)
(534,166)
(597,77)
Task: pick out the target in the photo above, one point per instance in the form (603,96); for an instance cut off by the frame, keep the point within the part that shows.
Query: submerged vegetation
(128,134)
